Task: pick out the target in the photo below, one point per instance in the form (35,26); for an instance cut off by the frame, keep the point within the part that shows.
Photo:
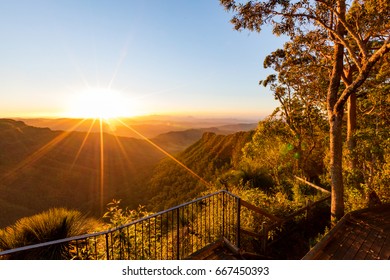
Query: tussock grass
(54,224)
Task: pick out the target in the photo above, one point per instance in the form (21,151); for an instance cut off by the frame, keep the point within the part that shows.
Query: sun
(99,103)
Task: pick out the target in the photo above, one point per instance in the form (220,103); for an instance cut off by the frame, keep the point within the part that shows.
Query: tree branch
(333,32)
(363,74)
(355,36)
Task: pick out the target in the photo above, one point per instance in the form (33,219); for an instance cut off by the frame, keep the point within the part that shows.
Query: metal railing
(175,233)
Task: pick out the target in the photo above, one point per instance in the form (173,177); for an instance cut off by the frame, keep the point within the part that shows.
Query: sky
(155,57)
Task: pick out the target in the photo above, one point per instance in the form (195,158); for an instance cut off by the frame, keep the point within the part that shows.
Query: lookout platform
(360,235)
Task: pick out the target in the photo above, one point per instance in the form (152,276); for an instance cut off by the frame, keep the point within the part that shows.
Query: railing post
(177,234)
(107,250)
(238,222)
(223,214)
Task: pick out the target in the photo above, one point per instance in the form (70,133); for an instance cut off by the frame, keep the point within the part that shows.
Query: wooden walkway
(360,235)
(216,251)
(224,250)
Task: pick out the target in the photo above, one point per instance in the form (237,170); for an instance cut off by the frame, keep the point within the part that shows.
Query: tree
(359,36)
(300,88)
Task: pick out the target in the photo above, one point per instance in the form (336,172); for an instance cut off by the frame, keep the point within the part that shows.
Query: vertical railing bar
(177,234)
(213,200)
(167,237)
(172,234)
(86,246)
(142,240)
(205,223)
(128,243)
(162,237)
(112,246)
(155,238)
(219,207)
(77,248)
(107,249)
(209,218)
(120,244)
(230,217)
(96,254)
(135,241)
(226,219)
(223,214)
(202,223)
(197,226)
(148,226)
(192,228)
(238,222)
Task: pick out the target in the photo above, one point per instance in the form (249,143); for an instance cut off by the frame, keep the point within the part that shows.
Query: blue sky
(163,57)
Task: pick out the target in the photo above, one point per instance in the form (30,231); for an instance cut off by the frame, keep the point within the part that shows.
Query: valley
(41,168)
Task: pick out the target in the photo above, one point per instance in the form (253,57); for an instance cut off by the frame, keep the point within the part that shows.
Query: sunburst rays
(10,175)
(101,186)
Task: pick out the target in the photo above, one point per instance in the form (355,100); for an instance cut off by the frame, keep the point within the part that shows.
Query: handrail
(300,211)
(84,236)
(312,185)
(175,226)
(260,211)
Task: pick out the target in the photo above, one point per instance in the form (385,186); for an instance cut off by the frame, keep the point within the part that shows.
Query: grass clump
(54,224)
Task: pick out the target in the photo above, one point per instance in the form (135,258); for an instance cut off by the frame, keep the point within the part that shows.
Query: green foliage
(54,224)
(117,216)
(372,171)
(319,237)
(277,153)
(366,166)
(270,150)
(334,48)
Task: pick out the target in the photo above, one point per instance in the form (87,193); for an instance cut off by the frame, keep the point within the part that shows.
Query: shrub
(54,224)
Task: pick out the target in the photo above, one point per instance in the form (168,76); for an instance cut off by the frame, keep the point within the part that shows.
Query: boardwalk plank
(345,244)
(384,253)
(360,236)
(363,234)
(339,239)
(365,248)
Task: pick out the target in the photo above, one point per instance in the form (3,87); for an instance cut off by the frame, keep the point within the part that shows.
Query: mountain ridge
(41,168)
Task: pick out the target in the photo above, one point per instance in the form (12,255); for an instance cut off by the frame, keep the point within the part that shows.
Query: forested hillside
(41,168)
(210,157)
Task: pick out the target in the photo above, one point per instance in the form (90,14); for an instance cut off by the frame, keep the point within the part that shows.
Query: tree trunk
(335,116)
(351,128)
(336,154)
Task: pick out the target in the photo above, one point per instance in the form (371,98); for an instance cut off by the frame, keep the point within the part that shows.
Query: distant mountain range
(42,167)
(148,126)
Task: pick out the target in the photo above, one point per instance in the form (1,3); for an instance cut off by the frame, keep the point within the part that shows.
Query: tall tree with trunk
(358,34)
(300,87)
